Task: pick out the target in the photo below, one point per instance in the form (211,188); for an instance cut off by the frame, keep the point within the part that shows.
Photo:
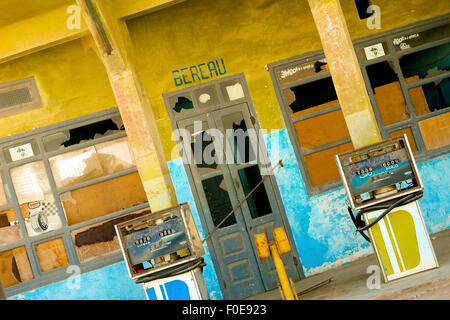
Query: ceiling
(14,10)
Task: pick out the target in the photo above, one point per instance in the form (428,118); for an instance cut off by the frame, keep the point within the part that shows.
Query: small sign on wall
(374,51)
(21,152)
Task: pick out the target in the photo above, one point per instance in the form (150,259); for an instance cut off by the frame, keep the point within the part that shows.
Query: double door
(225,158)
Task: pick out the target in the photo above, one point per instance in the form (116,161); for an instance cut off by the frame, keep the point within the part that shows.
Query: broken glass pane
(430,97)
(207,97)
(387,92)
(88,132)
(15,267)
(239,138)
(203,148)
(426,63)
(258,202)
(75,167)
(82,165)
(181,104)
(218,201)
(311,97)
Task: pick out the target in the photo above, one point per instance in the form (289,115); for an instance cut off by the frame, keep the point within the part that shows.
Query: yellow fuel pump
(383,184)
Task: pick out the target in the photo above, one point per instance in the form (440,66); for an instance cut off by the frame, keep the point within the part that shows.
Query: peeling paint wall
(71,80)
(73,83)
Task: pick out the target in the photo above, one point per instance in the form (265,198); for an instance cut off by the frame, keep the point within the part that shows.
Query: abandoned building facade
(88,118)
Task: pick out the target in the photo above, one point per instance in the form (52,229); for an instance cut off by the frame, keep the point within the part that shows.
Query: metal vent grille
(18,96)
(15,97)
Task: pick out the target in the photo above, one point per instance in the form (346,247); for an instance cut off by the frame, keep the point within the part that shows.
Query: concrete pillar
(2,292)
(345,71)
(133,104)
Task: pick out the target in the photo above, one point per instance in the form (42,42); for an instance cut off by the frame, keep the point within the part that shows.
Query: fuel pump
(163,251)
(383,187)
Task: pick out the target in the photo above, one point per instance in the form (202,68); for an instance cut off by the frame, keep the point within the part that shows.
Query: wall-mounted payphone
(383,184)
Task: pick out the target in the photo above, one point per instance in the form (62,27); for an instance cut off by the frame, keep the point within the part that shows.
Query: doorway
(225,158)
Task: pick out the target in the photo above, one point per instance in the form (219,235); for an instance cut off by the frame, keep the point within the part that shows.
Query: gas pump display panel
(379,172)
(159,241)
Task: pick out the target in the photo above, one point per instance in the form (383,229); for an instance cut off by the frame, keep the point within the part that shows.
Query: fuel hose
(388,207)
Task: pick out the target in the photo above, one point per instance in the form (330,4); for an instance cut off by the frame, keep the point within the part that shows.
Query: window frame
(392,55)
(45,278)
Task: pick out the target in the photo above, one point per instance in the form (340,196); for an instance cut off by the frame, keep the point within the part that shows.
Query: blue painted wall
(323,232)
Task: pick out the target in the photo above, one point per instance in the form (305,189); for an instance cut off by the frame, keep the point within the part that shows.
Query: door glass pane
(207,97)
(436,131)
(52,254)
(15,267)
(9,228)
(311,97)
(258,202)
(181,104)
(426,63)
(218,201)
(203,148)
(232,90)
(430,97)
(35,198)
(239,138)
(387,92)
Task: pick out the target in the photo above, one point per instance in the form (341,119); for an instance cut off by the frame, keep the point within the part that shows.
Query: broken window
(387,92)
(219,203)
(92,162)
(407,75)
(67,180)
(100,239)
(311,97)
(84,133)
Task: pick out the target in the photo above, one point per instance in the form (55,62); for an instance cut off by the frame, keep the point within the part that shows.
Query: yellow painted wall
(247,34)
(72,82)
